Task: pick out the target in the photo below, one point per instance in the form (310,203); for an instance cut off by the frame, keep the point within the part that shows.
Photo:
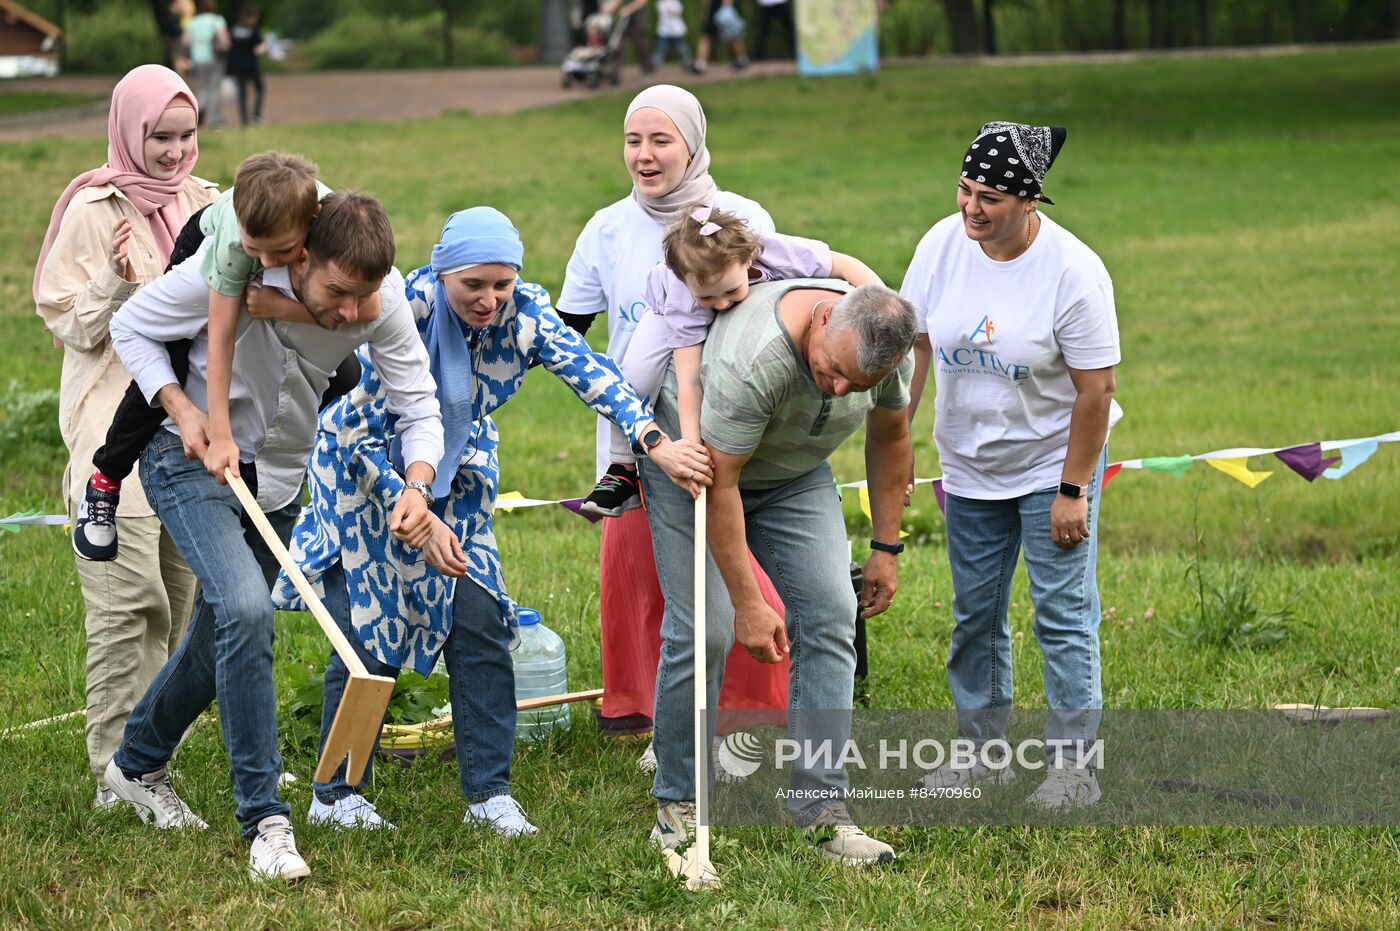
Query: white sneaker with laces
(949,776)
(647,762)
(95,532)
(274,851)
(1066,787)
(502,814)
(153,798)
(837,836)
(105,798)
(354,812)
(675,825)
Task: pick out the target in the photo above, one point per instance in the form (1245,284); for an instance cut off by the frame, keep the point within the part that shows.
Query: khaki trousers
(137,608)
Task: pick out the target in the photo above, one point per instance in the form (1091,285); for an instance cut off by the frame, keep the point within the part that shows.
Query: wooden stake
(361,712)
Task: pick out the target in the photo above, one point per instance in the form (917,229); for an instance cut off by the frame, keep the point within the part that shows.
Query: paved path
(366,95)
(389,95)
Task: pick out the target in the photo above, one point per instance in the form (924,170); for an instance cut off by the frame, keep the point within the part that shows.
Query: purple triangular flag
(938,493)
(1306,460)
(573,505)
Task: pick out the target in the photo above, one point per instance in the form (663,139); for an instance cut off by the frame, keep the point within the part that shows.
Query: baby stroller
(600,57)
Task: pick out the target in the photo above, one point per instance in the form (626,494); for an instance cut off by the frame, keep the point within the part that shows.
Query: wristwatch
(644,446)
(1071,490)
(424,489)
(893,549)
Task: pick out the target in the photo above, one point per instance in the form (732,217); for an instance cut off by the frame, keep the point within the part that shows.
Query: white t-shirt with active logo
(608,274)
(1005,335)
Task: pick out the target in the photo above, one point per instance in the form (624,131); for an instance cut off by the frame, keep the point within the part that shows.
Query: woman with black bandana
(1019,326)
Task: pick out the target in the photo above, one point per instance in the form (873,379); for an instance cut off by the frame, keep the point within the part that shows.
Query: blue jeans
(985,539)
(482,688)
(666,45)
(227,649)
(798,536)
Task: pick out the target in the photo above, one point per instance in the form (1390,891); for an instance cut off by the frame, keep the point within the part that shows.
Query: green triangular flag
(1172,465)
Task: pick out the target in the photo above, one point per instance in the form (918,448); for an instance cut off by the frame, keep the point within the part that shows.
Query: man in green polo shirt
(788,376)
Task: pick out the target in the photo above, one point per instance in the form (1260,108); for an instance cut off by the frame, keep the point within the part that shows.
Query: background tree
(962,23)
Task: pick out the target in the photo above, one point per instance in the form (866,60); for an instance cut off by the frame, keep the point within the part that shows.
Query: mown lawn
(16,102)
(1245,211)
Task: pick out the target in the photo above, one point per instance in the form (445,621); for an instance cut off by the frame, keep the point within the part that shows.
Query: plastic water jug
(539,670)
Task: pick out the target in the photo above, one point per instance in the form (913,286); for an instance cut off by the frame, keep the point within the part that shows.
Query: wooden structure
(28,43)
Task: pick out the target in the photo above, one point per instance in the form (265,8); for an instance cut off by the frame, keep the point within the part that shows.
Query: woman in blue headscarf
(400,606)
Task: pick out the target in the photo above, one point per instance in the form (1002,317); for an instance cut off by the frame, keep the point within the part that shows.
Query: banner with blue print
(837,37)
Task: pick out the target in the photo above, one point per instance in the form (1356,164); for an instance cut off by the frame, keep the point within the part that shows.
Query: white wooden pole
(701,845)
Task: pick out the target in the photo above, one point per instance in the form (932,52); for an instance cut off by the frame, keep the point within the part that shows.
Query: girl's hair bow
(702,216)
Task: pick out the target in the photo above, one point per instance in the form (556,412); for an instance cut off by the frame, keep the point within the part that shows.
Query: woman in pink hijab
(111,232)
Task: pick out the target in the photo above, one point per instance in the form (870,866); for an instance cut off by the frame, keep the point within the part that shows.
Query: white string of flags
(1306,459)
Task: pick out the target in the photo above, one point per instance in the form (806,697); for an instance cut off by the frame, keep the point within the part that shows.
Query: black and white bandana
(1014,157)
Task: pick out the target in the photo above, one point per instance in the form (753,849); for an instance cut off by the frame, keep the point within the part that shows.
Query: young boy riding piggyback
(261,222)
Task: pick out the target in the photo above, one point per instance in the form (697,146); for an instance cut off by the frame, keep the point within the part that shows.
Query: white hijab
(696,187)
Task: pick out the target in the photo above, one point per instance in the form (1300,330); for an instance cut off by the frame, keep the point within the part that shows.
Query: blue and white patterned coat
(401,607)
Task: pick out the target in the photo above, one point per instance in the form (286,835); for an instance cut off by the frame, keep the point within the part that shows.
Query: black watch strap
(892,548)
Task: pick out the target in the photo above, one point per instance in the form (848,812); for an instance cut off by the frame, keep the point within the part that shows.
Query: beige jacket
(78,294)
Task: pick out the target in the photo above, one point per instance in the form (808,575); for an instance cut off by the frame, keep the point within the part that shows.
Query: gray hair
(885,325)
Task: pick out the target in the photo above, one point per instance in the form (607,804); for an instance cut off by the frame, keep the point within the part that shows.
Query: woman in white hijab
(666,158)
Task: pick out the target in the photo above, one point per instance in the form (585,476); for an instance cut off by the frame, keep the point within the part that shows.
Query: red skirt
(631,606)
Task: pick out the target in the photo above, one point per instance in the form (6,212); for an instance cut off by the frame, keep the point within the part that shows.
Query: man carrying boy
(347,263)
(259,223)
(788,375)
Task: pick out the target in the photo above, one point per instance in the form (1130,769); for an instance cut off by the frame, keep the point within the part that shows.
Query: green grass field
(12,103)
(1247,212)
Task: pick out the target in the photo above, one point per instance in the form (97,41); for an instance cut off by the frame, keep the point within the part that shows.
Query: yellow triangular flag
(1236,468)
(508,496)
(865,508)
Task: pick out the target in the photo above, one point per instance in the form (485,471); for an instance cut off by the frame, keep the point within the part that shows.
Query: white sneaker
(949,776)
(153,798)
(675,825)
(647,762)
(1065,788)
(105,797)
(354,812)
(502,814)
(837,836)
(274,851)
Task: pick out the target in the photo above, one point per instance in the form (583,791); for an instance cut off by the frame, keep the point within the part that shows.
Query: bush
(112,39)
(29,425)
(364,41)
(913,27)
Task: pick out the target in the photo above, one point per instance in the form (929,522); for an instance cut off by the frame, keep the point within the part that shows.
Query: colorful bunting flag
(865,508)
(1352,456)
(1237,468)
(1306,460)
(505,496)
(573,504)
(1171,465)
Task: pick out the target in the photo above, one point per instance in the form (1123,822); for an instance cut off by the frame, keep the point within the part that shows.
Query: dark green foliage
(112,39)
(364,41)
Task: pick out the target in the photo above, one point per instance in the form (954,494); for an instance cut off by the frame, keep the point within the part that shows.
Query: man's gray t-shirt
(760,397)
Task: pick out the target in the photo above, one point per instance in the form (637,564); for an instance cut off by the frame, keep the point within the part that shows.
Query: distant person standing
(172,35)
(722,22)
(670,34)
(206,38)
(246,45)
(769,11)
(634,30)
